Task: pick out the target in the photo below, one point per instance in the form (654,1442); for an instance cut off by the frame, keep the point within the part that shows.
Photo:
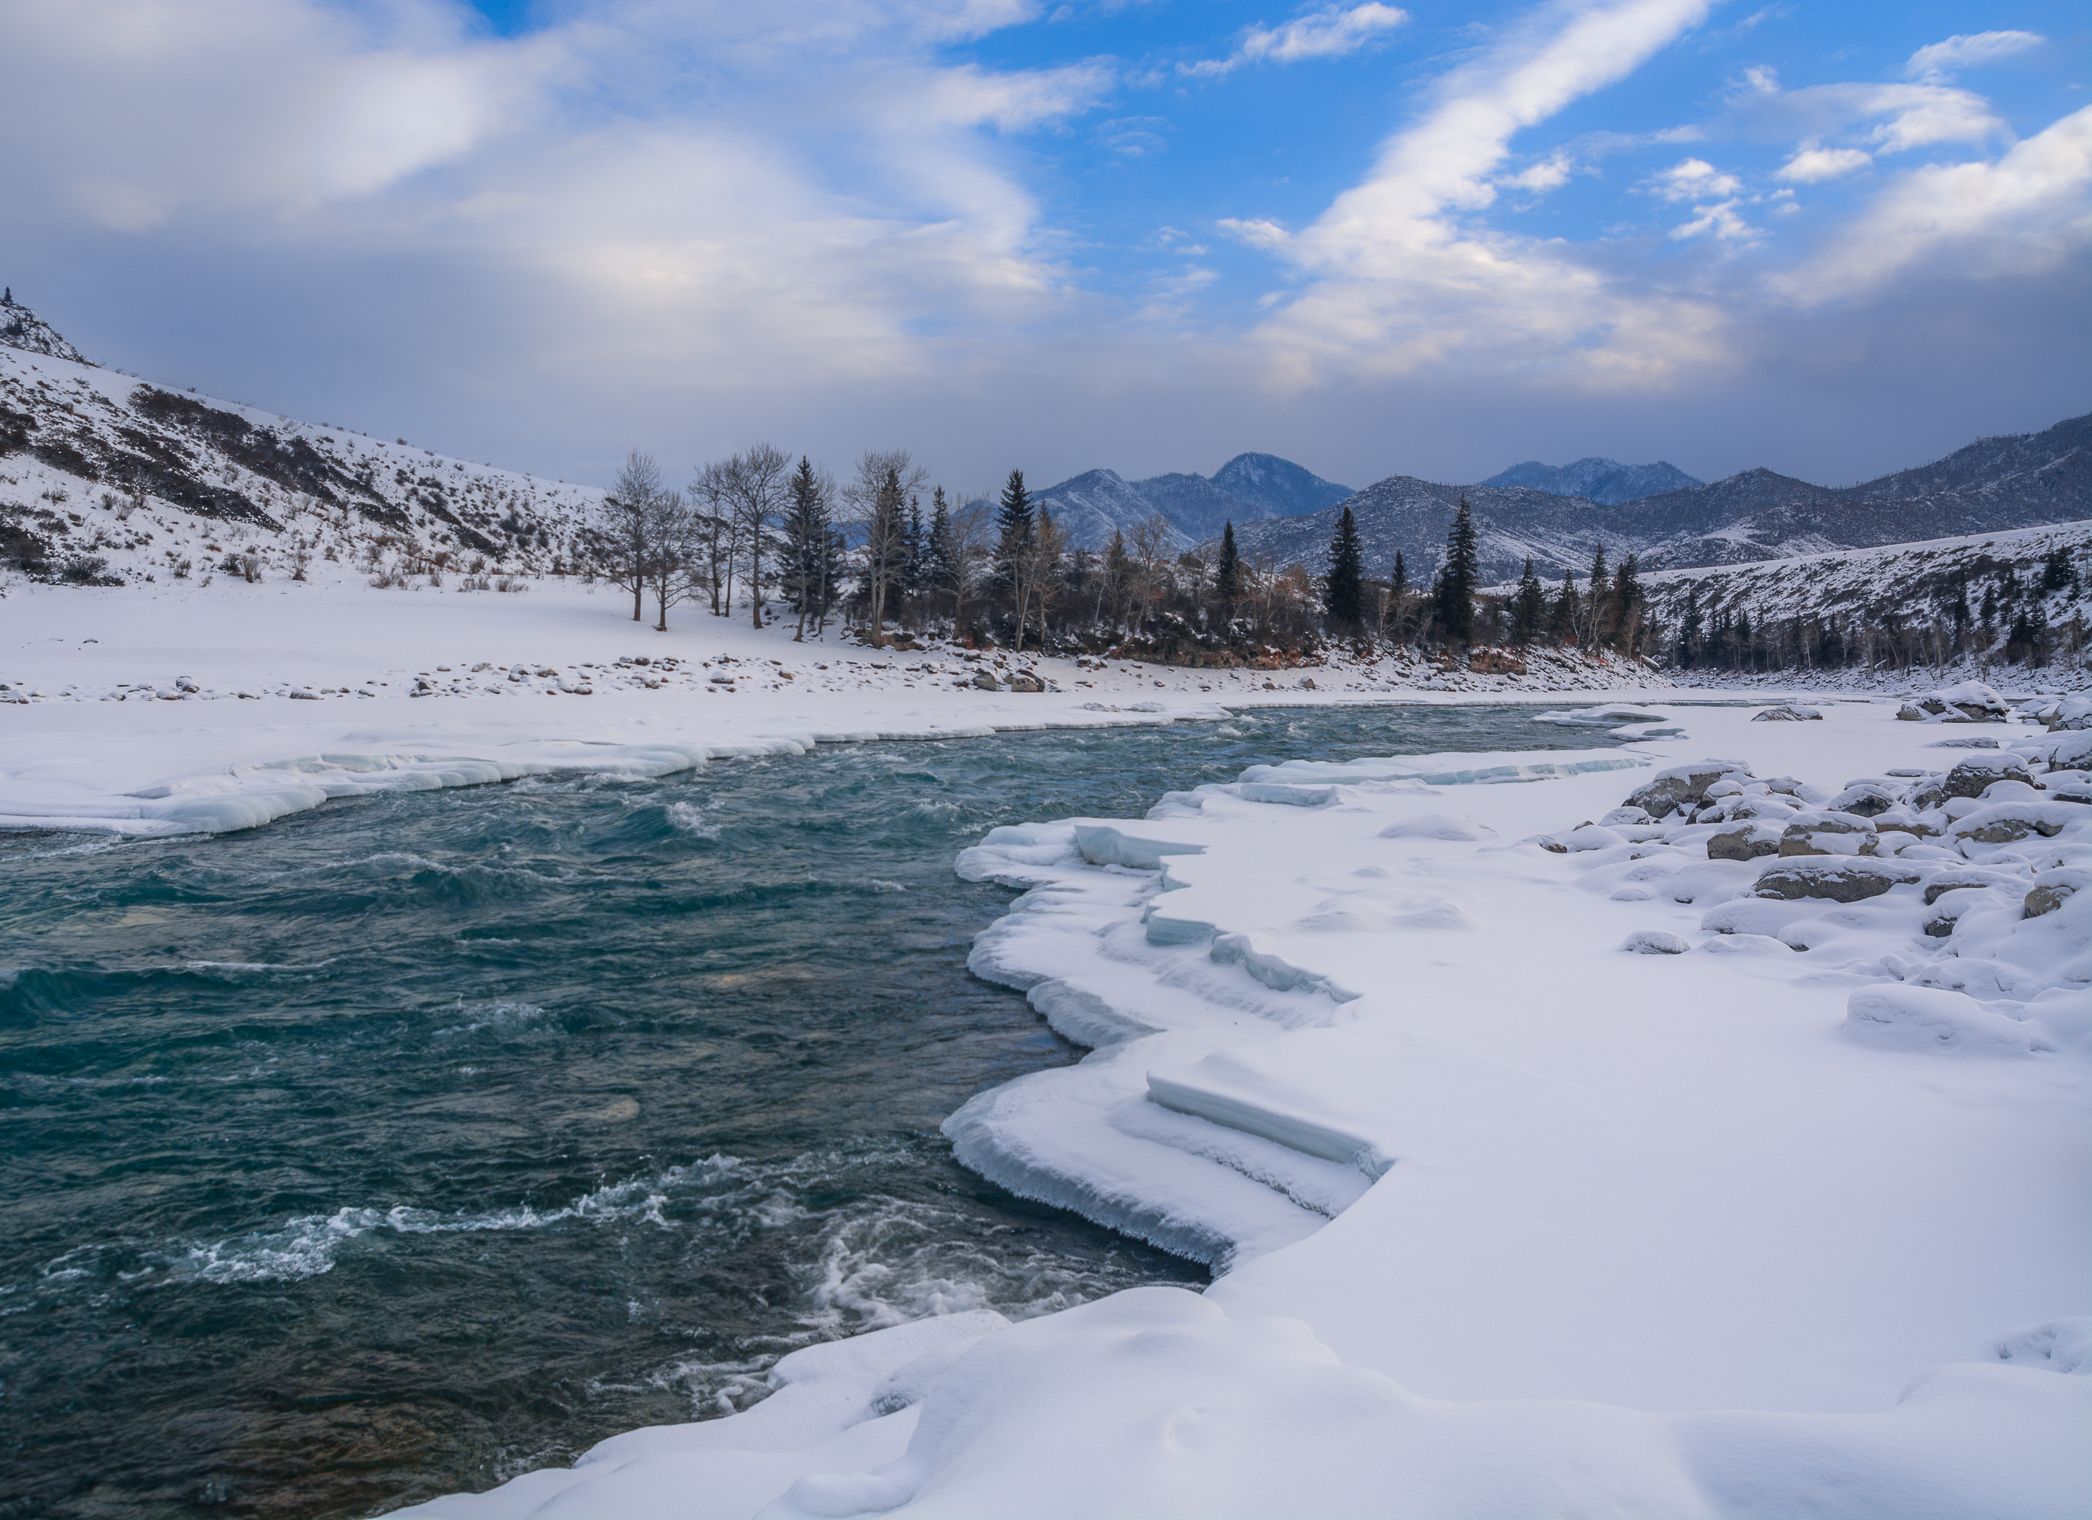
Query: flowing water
(417,1140)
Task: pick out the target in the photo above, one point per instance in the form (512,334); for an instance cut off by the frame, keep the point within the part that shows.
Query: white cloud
(1256,231)
(1941,60)
(1334,31)
(1543,175)
(1811,165)
(1721,222)
(1889,117)
(1398,275)
(2029,209)
(726,189)
(1694,179)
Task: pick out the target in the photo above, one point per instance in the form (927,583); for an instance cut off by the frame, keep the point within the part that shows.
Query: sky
(1425,238)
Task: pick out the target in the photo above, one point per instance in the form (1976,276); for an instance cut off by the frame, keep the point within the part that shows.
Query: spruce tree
(1227,574)
(1457,579)
(1629,605)
(1564,621)
(1398,599)
(1529,611)
(1014,529)
(1595,618)
(806,544)
(1689,627)
(1344,597)
(942,549)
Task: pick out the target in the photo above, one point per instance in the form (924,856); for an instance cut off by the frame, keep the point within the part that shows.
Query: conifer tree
(1227,574)
(1344,595)
(1398,599)
(807,531)
(1564,619)
(1457,579)
(1627,605)
(1529,611)
(942,548)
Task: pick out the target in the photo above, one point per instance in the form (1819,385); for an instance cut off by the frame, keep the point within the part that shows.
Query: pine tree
(1627,605)
(1690,627)
(1597,621)
(1529,610)
(942,549)
(1398,599)
(1563,621)
(1227,574)
(1457,579)
(806,545)
(1344,596)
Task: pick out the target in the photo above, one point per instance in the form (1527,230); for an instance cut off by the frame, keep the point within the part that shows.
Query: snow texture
(1788,1218)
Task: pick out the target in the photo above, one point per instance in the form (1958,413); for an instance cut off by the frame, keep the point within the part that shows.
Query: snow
(167,708)
(1507,1221)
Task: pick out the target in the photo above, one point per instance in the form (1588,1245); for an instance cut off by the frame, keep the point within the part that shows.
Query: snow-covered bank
(1718,1154)
(153,709)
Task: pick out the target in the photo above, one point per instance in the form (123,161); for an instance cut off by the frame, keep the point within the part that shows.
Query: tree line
(870,553)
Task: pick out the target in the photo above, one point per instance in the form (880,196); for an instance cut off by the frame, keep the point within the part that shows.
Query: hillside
(1912,582)
(107,478)
(1249,488)
(1994,485)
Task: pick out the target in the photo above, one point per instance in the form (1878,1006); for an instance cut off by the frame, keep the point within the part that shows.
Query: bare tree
(625,542)
(754,485)
(672,560)
(973,524)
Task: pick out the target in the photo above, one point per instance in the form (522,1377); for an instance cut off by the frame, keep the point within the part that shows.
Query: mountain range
(1249,488)
(1994,484)
(1606,481)
(73,433)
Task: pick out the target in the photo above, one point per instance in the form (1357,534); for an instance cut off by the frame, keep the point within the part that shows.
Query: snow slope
(106,476)
(1912,580)
(1553,1166)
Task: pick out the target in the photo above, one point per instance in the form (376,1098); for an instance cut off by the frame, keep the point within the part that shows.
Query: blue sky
(1428,238)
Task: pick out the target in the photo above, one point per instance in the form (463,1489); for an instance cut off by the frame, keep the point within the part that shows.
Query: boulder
(1682,786)
(1866,798)
(1025,680)
(1787,712)
(1746,843)
(984,680)
(1654,942)
(1827,833)
(1971,777)
(2052,889)
(1840,879)
(2010,822)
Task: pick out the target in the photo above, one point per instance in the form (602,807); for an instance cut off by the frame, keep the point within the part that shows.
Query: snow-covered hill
(1994,485)
(1915,582)
(105,477)
(1606,481)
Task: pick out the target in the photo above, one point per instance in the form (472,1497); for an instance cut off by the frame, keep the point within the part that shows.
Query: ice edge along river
(1789,1217)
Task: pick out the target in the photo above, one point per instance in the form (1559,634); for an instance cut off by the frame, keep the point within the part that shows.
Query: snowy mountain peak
(1281,487)
(1596,478)
(24,329)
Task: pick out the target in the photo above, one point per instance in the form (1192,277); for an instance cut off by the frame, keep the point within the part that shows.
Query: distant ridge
(2022,481)
(1606,481)
(1249,488)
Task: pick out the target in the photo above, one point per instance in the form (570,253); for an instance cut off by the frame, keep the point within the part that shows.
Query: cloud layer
(880,221)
